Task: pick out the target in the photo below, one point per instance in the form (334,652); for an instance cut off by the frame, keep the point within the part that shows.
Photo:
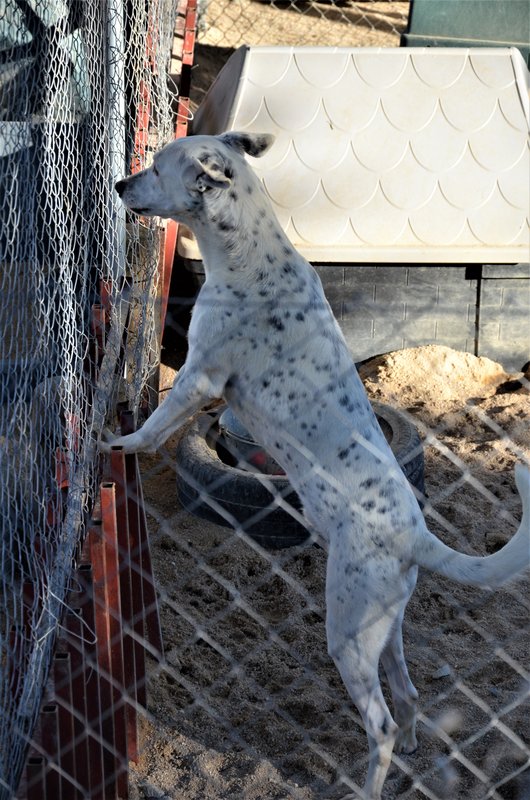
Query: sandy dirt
(248,705)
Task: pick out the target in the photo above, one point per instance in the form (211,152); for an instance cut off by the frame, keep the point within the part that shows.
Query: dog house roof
(386,155)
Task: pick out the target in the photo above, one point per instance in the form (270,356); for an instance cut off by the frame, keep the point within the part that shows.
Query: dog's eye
(155,171)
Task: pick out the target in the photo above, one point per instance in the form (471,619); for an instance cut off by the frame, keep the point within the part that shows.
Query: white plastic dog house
(408,157)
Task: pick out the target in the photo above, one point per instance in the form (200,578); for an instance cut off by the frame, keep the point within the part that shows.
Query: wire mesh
(71,76)
(248,703)
(335,23)
(245,701)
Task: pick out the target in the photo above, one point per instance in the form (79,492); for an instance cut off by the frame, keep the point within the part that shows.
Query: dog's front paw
(131,443)
(107,440)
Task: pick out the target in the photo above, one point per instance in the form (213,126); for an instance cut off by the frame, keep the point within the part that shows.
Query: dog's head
(188,169)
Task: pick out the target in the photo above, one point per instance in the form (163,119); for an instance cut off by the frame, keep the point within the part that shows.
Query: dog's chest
(272,331)
(290,379)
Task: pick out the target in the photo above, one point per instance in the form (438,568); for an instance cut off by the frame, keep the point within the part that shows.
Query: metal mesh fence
(365,23)
(244,702)
(72,76)
(248,703)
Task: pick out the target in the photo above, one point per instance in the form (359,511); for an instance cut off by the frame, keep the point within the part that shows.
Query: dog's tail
(483,571)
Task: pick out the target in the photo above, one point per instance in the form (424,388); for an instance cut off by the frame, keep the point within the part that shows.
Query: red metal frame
(187,31)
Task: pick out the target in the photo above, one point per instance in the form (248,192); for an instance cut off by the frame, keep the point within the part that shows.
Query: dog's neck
(237,239)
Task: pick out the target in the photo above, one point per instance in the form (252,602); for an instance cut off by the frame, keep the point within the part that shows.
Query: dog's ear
(200,176)
(255,144)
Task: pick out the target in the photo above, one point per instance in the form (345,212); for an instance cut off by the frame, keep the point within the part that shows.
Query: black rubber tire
(213,490)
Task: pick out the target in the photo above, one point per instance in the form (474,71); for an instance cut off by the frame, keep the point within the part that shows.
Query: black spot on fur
(346,403)
(276,322)
(369,482)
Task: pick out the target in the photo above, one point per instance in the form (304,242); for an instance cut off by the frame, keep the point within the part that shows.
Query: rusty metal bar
(168,244)
(36,778)
(105,295)
(63,695)
(74,641)
(149,591)
(114,650)
(143,554)
(111,765)
(189,33)
(49,736)
(91,676)
(119,478)
(135,548)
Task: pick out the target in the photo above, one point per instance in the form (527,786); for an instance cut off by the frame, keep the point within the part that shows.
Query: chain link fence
(244,702)
(73,74)
(224,25)
(248,704)
(333,23)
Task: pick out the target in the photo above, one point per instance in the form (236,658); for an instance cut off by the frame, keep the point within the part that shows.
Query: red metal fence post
(133,671)
(108,649)
(73,640)
(142,555)
(95,743)
(63,696)
(36,778)
(49,736)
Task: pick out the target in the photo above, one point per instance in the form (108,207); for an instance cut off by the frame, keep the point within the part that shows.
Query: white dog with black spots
(263,337)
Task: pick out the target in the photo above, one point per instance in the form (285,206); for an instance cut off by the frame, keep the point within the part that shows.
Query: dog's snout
(120,186)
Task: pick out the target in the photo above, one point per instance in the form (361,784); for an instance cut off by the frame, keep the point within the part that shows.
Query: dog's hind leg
(356,656)
(365,691)
(404,694)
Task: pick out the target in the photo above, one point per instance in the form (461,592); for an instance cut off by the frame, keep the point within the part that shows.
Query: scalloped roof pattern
(387,155)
